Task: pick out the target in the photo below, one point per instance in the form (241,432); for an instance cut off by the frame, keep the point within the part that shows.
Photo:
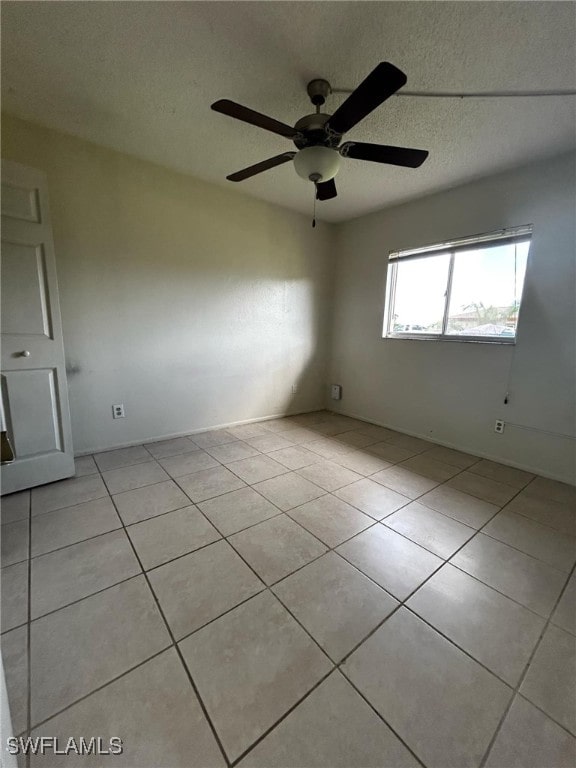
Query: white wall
(192,304)
(197,306)
(452,392)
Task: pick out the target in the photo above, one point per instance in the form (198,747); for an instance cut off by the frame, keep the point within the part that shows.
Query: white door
(34,391)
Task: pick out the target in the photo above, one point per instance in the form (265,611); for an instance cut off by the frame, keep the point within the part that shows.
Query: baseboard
(481,455)
(187,433)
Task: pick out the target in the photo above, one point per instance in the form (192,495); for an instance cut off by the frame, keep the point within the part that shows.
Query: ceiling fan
(318,136)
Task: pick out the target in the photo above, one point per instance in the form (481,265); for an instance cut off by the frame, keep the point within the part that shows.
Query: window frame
(510,236)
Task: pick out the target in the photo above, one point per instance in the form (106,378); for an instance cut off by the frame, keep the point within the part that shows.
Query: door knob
(25,353)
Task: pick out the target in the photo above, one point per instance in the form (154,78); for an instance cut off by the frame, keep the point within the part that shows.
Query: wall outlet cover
(336,392)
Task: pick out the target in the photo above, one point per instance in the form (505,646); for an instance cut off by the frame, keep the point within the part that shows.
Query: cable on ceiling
(471,95)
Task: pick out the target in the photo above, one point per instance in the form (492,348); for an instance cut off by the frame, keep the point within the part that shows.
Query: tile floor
(309,591)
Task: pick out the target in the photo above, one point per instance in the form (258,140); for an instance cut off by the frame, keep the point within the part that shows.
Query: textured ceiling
(140,77)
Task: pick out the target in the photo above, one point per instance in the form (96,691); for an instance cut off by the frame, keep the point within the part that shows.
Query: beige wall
(192,304)
(452,392)
(197,306)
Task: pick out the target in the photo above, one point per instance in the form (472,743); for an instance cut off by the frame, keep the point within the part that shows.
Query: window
(469,289)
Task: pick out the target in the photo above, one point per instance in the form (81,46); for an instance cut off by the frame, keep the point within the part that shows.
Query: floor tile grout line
(335,666)
(175,479)
(538,560)
(280,512)
(405,536)
(85,597)
(498,591)
(29,630)
(99,688)
(246,485)
(443,482)
(516,689)
(73,544)
(193,551)
(331,548)
(128,525)
(518,513)
(178,557)
(153,568)
(400,601)
(300,567)
(18,562)
(494,480)
(459,647)
(16,626)
(153,517)
(244,600)
(223,466)
(142,573)
(403,602)
(382,718)
(226,536)
(123,466)
(301,525)
(333,671)
(500,509)
(181,657)
(545,498)
(268,587)
(543,711)
(431,445)
(21,520)
(145,485)
(76,504)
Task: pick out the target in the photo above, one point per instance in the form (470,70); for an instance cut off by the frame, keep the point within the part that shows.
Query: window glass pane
(486,291)
(420,295)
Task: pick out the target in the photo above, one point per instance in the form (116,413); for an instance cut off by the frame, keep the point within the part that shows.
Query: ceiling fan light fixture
(317,163)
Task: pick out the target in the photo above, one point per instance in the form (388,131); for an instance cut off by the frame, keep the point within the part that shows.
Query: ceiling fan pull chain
(314,209)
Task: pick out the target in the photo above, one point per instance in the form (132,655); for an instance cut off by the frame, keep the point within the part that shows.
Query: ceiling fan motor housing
(312,132)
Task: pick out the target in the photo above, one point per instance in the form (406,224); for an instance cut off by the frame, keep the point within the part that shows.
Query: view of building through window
(473,292)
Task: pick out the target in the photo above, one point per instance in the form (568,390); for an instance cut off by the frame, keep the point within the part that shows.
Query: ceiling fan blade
(380,84)
(381,153)
(247,115)
(326,190)
(265,165)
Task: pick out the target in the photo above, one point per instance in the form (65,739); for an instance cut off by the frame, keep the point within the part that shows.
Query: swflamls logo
(43,745)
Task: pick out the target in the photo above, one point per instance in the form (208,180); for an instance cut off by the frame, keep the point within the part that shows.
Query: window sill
(462,339)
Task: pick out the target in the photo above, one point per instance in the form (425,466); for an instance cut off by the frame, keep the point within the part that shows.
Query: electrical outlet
(499,426)
(336,392)
(294,388)
(118,411)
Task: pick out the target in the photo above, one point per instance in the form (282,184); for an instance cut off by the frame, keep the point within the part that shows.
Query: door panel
(33,407)
(24,300)
(20,202)
(34,389)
